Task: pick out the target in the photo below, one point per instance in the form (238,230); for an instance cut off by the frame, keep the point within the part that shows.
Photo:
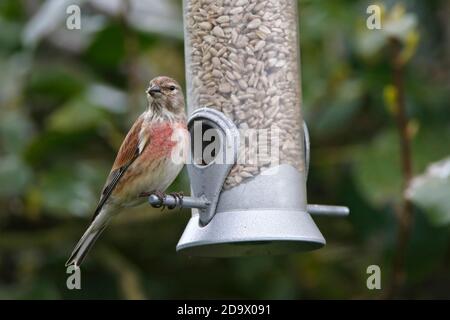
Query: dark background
(67,97)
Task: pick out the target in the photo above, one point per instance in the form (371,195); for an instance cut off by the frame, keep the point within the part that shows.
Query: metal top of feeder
(266,215)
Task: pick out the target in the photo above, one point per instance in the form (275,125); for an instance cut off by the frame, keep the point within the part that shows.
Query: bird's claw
(178,199)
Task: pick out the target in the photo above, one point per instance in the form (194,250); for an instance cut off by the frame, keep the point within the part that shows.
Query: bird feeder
(249,145)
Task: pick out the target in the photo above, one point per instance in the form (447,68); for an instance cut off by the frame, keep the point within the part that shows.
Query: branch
(405,212)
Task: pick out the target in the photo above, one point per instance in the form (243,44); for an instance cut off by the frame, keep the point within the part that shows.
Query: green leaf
(13,76)
(14,176)
(15,130)
(9,35)
(341,108)
(78,114)
(12,10)
(107,48)
(377,168)
(54,82)
(67,190)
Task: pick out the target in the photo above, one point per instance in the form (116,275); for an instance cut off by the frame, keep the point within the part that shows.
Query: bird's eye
(171,88)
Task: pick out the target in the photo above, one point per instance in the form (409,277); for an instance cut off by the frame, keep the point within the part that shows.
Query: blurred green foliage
(68,96)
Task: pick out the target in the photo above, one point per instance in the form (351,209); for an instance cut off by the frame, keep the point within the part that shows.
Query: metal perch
(203,203)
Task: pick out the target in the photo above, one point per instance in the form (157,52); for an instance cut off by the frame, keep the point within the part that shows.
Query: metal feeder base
(248,233)
(263,215)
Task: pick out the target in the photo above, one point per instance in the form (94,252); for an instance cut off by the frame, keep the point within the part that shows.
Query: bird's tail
(85,244)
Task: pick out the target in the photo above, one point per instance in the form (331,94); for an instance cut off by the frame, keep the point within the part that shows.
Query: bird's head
(164,92)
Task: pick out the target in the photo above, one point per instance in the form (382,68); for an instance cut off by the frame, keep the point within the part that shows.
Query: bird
(150,158)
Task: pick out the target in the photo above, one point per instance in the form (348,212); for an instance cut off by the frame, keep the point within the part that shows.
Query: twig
(405,212)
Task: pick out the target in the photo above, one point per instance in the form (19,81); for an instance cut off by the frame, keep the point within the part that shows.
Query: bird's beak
(153,90)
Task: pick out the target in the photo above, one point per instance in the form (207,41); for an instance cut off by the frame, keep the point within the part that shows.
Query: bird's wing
(132,146)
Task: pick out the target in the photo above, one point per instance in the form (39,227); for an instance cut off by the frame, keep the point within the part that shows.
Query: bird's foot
(161,196)
(178,199)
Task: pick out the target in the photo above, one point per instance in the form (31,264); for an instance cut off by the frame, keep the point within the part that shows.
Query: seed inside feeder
(243,60)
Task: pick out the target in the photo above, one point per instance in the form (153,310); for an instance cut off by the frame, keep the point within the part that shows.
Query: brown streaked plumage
(129,145)
(147,159)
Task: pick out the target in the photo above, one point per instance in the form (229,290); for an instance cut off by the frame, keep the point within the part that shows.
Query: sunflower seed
(243,61)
